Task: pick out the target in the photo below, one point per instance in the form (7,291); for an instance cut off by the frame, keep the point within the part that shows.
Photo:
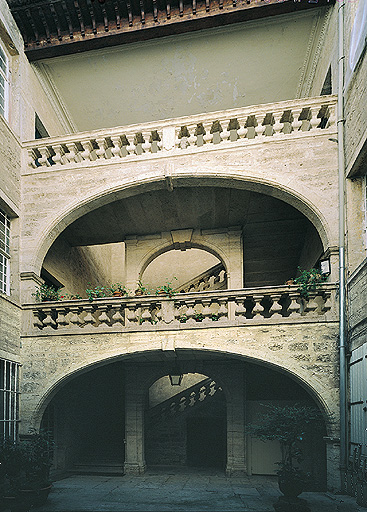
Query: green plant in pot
(141,289)
(46,293)
(11,473)
(308,281)
(291,425)
(38,456)
(166,289)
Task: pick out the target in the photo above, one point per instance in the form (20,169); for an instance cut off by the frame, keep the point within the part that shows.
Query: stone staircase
(185,400)
(215,278)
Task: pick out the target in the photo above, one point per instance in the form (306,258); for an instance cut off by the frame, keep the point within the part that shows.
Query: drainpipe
(342,286)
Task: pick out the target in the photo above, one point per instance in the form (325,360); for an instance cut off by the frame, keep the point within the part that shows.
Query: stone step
(99,467)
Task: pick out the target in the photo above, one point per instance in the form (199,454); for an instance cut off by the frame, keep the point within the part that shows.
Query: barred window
(4,82)
(4,253)
(9,398)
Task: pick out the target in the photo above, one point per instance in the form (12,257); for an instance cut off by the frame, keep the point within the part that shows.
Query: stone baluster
(130,314)
(103,318)
(147,145)
(118,317)
(182,404)
(37,322)
(87,153)
(232,129)
(310,305)
(240,310)
(206,312)
(296,123)
(32,158)
(59,156)
(190,312)
(131,147)
(315,120)
(146,315)
(242,130)
(44,159)
(116,149)
(192,139)
(139,141)
(155,141)
(73,155)
(49,321)
(260,127)
(225,135)
(61,320)
(74,317)
(223,310)
(213,132)
(182,135)
(326,306)
(258,309)
(278,124)
(294,307)
(102,148)
(89,319)
(208,135)
(276,308)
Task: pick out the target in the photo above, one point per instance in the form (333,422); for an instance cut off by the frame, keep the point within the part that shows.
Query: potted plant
(166,289)
(290,425)
(308,281)
(118,290)
(96,292)
(141,289)
(11,474)
(46,293)
(38,455)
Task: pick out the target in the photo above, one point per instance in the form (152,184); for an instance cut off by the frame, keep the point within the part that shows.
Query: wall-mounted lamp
(176,376)
(325,268)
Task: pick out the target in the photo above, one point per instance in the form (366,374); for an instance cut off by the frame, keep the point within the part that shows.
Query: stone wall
(311,356)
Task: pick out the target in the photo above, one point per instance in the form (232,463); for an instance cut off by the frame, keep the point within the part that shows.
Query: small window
(4,82)
(4,253)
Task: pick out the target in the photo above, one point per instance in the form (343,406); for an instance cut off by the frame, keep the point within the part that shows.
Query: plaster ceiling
(260,62)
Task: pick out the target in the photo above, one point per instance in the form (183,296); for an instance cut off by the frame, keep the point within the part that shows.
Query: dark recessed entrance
(206,442)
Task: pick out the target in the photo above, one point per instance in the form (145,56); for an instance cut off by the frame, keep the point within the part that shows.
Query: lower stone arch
(230,357)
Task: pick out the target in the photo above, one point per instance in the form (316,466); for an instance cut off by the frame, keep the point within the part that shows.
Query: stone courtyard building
(194,144)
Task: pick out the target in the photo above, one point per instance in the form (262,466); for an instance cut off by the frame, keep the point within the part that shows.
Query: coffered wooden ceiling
(61,27)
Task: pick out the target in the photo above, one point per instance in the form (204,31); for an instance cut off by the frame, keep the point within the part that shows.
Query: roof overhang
(63,27)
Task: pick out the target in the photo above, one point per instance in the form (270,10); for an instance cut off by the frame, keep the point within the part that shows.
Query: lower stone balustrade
(276,304)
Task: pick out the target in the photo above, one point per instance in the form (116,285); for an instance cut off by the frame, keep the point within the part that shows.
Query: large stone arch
(59,219)
(320,392)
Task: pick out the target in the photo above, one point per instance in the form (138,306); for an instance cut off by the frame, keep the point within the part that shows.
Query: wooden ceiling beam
(122,29)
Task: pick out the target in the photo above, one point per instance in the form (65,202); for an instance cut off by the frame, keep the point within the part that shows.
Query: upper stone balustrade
(203,132)
(207,309)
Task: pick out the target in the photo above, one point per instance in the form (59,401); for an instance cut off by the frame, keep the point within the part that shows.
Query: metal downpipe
(342,284)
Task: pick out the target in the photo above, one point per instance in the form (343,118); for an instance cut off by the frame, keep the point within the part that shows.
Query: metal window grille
(4,253)
(4,82)
(9,398)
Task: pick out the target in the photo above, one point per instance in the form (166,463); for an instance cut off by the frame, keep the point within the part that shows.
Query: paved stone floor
(179,491)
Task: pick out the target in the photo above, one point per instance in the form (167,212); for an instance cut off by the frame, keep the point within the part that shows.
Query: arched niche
(193,269)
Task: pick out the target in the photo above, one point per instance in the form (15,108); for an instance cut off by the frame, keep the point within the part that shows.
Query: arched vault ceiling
(276,235)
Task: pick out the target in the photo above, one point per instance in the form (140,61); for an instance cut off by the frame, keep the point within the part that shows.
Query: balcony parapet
(184,135)
(219,308)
